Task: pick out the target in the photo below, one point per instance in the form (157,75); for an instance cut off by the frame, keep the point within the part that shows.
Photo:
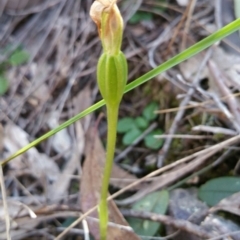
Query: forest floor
(177,154)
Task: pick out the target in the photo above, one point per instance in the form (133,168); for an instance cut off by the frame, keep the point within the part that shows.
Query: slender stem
(112,117)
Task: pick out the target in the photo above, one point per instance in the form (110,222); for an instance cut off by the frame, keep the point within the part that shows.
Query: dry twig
(176,223)
(181,111)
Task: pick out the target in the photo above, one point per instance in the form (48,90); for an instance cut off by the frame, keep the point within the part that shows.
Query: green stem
(112,118)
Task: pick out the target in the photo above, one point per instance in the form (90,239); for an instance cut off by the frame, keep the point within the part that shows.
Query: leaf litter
(58,81)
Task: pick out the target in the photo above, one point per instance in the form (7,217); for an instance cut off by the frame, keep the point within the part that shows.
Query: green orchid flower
(112,74)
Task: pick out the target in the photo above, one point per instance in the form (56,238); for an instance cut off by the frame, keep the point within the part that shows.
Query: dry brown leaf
(81,102)
(189,68)
(59,189)
(16,210)
(61,142)
(37,164)
(121,178)
(40,73)
(91,186)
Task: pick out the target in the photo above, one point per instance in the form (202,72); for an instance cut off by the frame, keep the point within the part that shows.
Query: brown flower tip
(108,19)
(97,8)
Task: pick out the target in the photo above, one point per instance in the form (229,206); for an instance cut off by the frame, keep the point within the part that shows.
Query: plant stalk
(112,118)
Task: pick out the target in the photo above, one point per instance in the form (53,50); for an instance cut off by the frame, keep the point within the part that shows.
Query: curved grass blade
(186,54)
(191,51)
(55,130)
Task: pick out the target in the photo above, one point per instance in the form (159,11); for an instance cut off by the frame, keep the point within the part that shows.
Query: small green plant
(214,190)
(147,16)
(132,128)
(140,16)
(18,57)
(156,202)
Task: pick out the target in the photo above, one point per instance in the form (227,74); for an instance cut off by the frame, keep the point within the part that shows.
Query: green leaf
(217,189)
(19,57)
(3,85)
(131,136)
(156,202)
(3,67)
(148,111)
(152,142)
(140,16)
(141,122)
(125,124)
(68,222)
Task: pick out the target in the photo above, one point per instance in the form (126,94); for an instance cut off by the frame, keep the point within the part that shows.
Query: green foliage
(152,142)
(131,135)
(3,85)
(125,124)
(156,202)
(217,189)
(141,122)
(147,16)
(17,58)
(148,111)
(132,128)
(68,222)
(140,16)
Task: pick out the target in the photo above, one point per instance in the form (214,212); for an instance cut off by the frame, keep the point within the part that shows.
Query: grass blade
(55,130)
(186,54)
